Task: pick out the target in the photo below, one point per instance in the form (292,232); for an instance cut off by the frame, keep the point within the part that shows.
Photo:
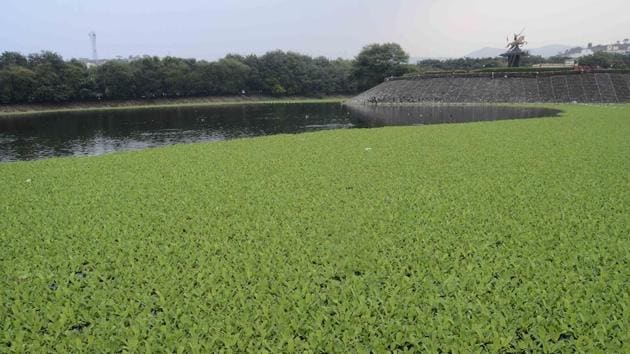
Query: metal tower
(92,35)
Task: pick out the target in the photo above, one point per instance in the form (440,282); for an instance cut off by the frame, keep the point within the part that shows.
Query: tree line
(607,60)
(47,77)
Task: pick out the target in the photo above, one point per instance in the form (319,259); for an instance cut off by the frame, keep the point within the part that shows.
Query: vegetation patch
(506,236)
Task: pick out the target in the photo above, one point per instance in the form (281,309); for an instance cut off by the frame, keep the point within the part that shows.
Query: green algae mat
(508,236)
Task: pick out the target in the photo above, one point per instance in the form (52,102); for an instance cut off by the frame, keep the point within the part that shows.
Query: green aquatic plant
(506,236)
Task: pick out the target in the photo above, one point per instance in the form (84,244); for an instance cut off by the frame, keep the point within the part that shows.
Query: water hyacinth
(507,236)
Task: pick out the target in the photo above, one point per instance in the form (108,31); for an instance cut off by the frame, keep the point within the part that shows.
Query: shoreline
(27,109)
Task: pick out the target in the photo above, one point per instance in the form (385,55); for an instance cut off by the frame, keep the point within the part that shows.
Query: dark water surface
(45,135)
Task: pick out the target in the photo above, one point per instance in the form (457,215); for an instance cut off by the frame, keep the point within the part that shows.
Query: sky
(332,28)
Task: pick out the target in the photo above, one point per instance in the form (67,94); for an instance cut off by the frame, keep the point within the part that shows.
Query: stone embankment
(518,87)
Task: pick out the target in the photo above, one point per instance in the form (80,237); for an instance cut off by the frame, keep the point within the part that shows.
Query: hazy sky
(212,28)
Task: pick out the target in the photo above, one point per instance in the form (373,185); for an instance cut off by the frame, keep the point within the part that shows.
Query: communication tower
(92,35)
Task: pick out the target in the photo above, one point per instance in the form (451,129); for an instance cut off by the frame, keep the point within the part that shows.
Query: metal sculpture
(514,52)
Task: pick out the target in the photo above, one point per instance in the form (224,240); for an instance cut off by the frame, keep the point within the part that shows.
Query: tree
(16,84)
(115,80)
(376,62)
(606,60)
(200,79)
(254,81)
(75,77)
(174,73)
(282,73)
(230,76)
(146,77)
(51,85)
(340,71)
(12,58)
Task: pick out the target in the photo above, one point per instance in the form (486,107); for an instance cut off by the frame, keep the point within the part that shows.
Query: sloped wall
(494,88)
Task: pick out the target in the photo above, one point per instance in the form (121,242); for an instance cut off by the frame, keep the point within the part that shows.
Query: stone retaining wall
(594,87)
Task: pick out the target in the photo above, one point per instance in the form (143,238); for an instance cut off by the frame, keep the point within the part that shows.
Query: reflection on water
(384,115)
(98,132)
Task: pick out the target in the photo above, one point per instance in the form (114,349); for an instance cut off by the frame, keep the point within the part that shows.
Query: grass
(503,236)
(16,110)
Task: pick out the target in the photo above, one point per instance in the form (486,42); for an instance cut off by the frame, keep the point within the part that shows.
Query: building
(92,63)
(620,47)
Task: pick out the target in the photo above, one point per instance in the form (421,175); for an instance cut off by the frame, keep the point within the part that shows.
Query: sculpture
(514,52)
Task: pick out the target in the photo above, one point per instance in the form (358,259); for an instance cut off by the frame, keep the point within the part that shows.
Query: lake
(87,133)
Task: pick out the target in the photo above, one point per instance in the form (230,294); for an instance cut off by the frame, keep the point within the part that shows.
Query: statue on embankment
(514,52)
(530,85)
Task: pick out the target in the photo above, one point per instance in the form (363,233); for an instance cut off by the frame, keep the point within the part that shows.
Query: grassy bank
(12,110)
(499,236)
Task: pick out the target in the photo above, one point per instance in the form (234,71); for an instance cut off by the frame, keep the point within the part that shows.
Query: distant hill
(550,50)
(486,52)
(546,51)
